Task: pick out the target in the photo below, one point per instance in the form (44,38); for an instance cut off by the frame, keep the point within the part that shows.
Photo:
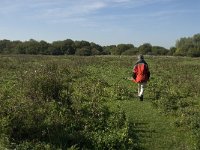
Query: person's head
(140,57)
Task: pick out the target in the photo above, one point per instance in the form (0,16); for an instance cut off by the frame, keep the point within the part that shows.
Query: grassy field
(87,103)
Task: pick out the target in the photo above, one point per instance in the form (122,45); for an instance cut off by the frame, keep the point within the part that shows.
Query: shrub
(47,82)
(50,114)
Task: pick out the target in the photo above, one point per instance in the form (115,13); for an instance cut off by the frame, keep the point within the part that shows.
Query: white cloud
(69,11)
(71,7)
(77,10)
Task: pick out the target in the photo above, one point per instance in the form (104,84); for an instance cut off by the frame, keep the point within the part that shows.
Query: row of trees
(129,49)
(189,46)
(184,47)
(70,47)
(67,47)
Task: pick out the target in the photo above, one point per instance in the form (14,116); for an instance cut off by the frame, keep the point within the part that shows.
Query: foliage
(70,47)
(145,48)
(66,102)
(84,52)
(189,46)
(172,50)
(132,51)
(53,109)
(185,46)
(157,50)
(174,90)
(122,48)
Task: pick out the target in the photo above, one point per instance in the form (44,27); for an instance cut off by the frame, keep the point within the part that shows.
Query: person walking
(141,75)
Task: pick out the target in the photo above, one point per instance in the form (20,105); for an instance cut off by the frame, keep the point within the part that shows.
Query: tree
(14,47)
(81,44)
(196,41)
(193,52)
(109,49)
(96,47)
(183,45)
(57,48)
(158,50)
(69,47)
(122,48)
(172,50)
(145,48)
(5,46)
(188,46)
(83,52)
(31,47)
(94,51)
(44,47)
(20,48)
(132,51)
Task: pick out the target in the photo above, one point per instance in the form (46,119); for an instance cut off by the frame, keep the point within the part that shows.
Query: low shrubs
(176,92)
(49,113)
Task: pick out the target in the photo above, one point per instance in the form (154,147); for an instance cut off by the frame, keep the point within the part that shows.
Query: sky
(104,22)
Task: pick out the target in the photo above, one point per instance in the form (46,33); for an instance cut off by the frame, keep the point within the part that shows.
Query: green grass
(167,119)
(154,130)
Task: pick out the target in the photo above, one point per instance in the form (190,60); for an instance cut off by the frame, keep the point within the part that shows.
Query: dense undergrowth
(61,102)
(57,104)
(175,90)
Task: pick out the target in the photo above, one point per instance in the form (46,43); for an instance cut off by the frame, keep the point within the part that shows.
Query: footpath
(153,130)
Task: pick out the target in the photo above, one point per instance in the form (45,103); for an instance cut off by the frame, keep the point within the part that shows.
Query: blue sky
(105,22)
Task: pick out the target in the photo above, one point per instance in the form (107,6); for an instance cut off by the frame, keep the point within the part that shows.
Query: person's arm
(148,72)
(134,75)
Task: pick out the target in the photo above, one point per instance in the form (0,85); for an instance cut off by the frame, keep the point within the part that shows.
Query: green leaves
(58,105)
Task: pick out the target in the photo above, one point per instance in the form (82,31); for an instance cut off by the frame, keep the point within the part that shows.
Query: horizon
(104,22)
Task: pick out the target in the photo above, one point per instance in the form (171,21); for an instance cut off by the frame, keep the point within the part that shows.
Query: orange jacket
(141,72)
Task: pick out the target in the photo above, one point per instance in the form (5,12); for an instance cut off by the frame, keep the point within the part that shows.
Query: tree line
(187,46)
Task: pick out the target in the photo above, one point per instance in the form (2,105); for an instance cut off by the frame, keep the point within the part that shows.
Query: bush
(49,114)
(83,52)
(133,51)
(47,82)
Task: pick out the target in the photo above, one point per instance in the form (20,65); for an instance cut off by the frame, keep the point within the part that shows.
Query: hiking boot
(141,98)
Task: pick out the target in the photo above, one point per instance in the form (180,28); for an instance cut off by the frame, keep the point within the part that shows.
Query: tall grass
(53,107)
(61,102)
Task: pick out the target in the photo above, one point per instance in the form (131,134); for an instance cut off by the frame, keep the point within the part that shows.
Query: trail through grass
(89,83)
(152,130)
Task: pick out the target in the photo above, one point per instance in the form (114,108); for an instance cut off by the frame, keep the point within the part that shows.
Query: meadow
(77,102)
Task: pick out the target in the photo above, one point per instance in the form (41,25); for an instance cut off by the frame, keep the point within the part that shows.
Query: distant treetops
(187,46)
